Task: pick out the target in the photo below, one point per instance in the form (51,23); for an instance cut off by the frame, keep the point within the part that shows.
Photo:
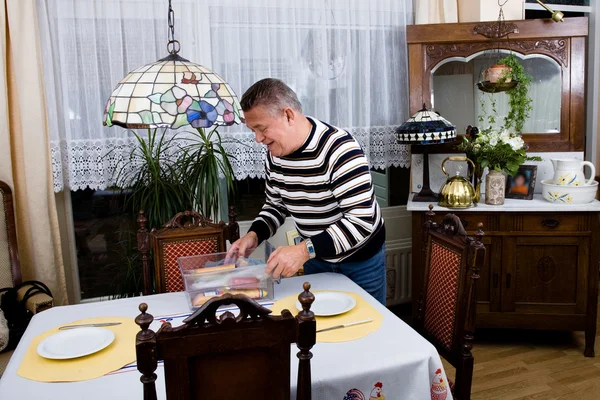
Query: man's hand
(287,260)
(243,246)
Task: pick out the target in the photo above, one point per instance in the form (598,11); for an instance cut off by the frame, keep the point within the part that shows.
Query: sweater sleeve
(273,212)
(352,187)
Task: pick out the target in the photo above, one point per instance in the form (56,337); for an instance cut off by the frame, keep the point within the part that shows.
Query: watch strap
(311,248)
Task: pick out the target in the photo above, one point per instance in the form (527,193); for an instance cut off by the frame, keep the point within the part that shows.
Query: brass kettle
(457,192)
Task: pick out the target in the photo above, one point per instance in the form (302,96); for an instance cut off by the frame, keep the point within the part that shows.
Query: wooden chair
(10,265)
(446,311)
(228,357)
(186,234)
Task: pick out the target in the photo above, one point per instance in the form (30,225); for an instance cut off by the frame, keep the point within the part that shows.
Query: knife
(364,321)
(89,325)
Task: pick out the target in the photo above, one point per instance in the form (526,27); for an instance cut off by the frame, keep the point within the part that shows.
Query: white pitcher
(570,172)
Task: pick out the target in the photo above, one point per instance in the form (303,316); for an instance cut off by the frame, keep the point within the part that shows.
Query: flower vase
(495,183)
(477,178)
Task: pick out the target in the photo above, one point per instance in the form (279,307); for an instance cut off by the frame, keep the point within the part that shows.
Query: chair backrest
(228,357)
(186,234)
(10,267)
(446,310)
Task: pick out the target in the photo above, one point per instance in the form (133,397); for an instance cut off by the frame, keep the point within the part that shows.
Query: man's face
(272,129)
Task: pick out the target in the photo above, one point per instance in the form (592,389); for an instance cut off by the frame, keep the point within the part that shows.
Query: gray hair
(272,93)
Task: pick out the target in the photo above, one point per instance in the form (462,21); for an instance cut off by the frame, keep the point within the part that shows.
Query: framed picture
(521,185)
(293,237)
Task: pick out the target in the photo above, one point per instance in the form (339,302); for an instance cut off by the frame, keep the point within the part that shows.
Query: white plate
(327,304)
(75,343)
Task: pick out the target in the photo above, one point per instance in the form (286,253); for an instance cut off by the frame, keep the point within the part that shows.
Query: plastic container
(210,275)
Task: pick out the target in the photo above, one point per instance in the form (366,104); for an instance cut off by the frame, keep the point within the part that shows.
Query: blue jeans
(368,274)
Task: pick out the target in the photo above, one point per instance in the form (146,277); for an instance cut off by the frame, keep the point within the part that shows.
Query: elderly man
(317,174)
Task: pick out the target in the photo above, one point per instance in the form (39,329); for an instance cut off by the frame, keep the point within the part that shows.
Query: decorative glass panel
(172,94)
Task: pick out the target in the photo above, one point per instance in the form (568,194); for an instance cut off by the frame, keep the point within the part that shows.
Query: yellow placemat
(361,311)
(120,353)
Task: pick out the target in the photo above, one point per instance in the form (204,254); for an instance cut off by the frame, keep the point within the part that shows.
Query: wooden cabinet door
(545,274)
(489,285)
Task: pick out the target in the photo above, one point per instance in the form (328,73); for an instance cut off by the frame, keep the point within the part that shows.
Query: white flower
(505,135)
(516,143)
(493,141)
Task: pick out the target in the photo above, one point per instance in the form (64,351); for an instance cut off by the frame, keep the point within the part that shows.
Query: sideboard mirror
(446,62)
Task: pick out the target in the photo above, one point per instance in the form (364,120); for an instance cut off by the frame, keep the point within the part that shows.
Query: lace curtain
(346,59)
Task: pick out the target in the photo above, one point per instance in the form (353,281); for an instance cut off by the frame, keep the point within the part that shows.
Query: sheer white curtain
(346,59)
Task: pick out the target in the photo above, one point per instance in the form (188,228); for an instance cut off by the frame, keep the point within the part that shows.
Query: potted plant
(501,152)
(507,75)
(164,175)
(498,73)
(519,101)
(204,162)
(151,180)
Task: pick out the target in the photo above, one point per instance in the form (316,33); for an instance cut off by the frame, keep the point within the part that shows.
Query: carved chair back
(446,311)
(228,357)
(186,234)
(10,266)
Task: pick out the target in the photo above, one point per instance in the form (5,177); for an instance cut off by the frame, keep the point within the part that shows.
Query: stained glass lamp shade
(171,93)
(426,127)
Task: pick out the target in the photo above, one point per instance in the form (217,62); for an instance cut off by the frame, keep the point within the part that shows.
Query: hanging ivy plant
(519,101)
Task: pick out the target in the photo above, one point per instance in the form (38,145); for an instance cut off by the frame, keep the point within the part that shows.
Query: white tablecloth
(394,362)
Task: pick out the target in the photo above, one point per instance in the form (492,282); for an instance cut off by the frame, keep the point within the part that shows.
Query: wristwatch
(311,248)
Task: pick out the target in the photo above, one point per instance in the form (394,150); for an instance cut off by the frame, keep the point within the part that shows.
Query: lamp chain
(171,19)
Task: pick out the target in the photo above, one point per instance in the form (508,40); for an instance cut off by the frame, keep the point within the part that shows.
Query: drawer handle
(495,281)
(464,223)
(508,279)
(550,222)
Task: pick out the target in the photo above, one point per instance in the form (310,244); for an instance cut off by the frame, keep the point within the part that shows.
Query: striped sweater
(325,186)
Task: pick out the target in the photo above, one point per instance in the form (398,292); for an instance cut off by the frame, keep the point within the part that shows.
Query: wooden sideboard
(541,268)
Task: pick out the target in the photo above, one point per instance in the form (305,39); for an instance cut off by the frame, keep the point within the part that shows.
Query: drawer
(470,220)
(551,222)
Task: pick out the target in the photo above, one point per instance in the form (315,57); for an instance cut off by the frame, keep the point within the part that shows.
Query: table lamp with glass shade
(425,128)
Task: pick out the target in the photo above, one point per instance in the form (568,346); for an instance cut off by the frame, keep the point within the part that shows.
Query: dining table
(393,362)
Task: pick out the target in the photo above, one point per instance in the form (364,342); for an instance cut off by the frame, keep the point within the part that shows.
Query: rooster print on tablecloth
(376,393)
(439,390)
(354,394)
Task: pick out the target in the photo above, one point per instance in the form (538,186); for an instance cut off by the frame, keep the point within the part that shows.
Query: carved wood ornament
(556,49)
(495,30)
(546,269)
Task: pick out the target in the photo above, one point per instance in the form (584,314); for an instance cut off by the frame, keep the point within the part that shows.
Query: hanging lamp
(172,92)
